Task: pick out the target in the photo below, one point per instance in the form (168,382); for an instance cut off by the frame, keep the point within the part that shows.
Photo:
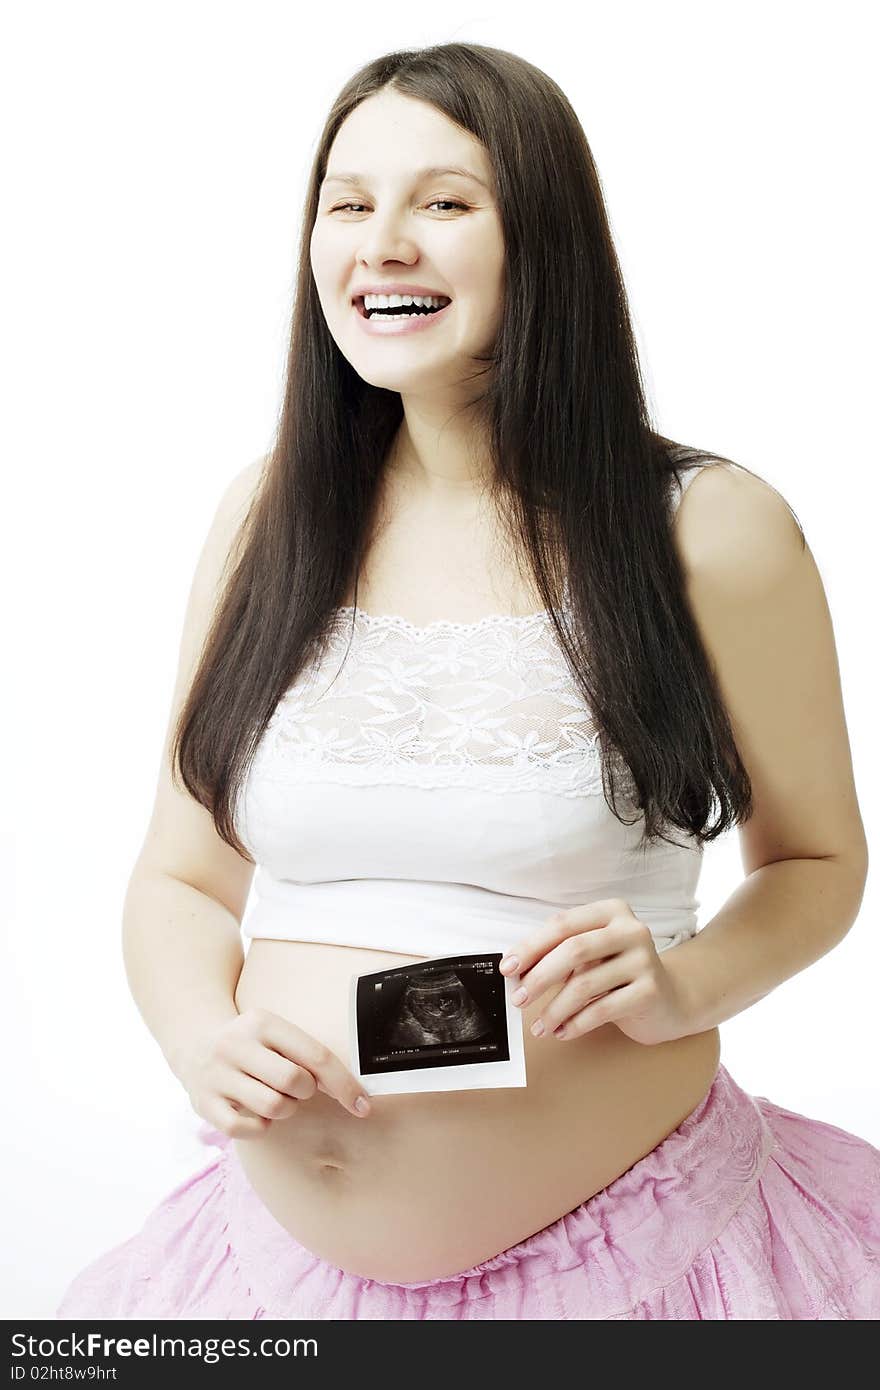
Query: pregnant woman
(475,660)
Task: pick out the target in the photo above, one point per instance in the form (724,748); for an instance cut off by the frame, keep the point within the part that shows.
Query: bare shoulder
(224,542)
(734,527)
(760,606)
(245,483)
(181,840)
(235,503)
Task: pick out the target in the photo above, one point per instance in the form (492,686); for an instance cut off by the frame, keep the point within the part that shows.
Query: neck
(440,459)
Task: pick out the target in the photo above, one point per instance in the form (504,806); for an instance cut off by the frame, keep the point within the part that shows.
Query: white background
(154,172)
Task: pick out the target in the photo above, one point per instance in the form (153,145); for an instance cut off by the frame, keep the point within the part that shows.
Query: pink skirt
(745,1211)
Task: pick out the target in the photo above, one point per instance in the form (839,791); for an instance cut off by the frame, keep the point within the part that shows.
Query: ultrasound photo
(445,1024)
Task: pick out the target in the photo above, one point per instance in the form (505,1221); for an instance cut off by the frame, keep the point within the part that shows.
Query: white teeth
(394,301)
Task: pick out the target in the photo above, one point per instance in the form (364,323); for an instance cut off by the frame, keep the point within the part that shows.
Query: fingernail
(509,963)
(537,1028)
(362,1105)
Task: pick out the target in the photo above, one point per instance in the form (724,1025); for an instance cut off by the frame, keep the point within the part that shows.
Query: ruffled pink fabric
(746,1211)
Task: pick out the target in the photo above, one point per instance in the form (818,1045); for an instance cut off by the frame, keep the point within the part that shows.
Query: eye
(436,202)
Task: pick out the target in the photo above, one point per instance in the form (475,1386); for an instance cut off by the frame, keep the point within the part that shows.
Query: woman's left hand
(609,970)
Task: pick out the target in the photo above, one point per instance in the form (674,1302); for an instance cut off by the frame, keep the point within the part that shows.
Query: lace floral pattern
(490,705)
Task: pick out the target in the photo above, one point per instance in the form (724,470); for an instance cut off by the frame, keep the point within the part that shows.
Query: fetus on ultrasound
(437,1009)
(441,1024)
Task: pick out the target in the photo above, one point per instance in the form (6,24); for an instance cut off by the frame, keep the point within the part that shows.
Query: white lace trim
(490,705)
(525,620)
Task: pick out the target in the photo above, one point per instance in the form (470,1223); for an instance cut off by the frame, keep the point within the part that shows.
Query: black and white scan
(440,1024)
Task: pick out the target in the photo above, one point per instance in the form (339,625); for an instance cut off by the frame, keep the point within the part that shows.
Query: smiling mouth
(416,311)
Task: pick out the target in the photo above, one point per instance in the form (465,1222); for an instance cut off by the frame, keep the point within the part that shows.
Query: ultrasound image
(443,1012)
(437,1009)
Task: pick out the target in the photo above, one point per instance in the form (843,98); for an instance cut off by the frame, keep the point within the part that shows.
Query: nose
(386,240)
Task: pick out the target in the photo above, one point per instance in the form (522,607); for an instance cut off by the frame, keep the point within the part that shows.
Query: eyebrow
(435,171)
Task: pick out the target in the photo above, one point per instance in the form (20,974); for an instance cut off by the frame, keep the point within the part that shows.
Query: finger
(576,955)
(239,1122)
(270,1067)
(257,1098)
(561,925)
(612,1006)
(580,989)
(324,1065)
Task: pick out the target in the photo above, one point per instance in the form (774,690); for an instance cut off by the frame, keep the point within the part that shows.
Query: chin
(396,380)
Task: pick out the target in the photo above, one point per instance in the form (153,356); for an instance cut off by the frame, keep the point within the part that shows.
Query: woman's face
(395,226)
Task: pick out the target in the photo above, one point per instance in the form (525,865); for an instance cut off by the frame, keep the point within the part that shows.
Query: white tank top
(443,795)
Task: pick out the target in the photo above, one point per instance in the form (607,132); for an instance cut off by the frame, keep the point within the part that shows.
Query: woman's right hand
(257,1067)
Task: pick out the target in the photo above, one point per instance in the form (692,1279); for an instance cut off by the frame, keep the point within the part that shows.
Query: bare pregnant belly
(431,1184)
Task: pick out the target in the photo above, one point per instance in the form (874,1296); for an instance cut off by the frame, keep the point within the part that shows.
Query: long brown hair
(564,408)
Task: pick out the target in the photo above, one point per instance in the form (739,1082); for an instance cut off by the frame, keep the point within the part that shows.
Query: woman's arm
(781,919)
(183,956)
(760,606)
(188,891)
